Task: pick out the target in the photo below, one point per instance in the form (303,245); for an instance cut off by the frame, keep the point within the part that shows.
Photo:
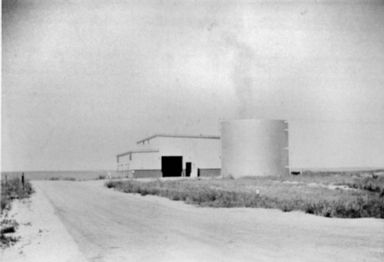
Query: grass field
(329,194)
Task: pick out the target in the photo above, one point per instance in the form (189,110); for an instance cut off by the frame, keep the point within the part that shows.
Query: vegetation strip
(312,193)
(15,188)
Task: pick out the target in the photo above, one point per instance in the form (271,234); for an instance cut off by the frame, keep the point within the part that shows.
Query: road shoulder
(42,235)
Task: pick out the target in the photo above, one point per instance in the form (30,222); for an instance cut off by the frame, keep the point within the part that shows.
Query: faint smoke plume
(243,76)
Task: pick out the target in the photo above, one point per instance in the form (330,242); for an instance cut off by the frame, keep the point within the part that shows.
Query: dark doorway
(188,169)
(171,166)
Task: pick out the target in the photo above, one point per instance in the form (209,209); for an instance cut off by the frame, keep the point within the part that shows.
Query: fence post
(5,184)
(22,180)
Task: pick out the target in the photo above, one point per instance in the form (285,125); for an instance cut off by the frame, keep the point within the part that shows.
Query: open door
(171,166)
(188,169)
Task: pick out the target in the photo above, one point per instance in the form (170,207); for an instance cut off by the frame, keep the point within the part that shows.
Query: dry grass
(11,189)
(352,195)
(62,178)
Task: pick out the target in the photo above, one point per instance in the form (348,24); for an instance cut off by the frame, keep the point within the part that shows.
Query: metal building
(165,155)
(254,147)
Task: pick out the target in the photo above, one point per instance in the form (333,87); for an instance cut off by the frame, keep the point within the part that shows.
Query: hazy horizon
(332,169)
(82,82)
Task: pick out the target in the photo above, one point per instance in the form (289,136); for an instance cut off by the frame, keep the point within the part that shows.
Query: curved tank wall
(254,147)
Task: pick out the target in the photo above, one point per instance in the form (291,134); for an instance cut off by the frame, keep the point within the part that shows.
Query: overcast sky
(83,80)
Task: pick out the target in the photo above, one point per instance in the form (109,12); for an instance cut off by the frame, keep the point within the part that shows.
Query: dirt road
(113,226)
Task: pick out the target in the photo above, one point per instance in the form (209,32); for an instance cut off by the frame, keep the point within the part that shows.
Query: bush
(373,184)
(111,184)
(9,225)
(69,178)
(62,178)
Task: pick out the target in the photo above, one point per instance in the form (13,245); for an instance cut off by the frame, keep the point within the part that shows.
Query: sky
(83,80)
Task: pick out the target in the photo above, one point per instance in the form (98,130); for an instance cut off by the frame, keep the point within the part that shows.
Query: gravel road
(112,226)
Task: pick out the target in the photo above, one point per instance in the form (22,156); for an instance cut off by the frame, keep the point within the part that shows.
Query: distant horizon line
(292,168)
(61,170)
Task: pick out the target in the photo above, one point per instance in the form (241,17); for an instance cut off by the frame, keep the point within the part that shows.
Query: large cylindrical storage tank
(254,147)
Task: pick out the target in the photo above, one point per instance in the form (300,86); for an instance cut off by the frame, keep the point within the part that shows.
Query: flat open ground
(107,225)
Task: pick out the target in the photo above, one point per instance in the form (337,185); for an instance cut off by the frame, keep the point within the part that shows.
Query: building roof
(136,151)
(142,141)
